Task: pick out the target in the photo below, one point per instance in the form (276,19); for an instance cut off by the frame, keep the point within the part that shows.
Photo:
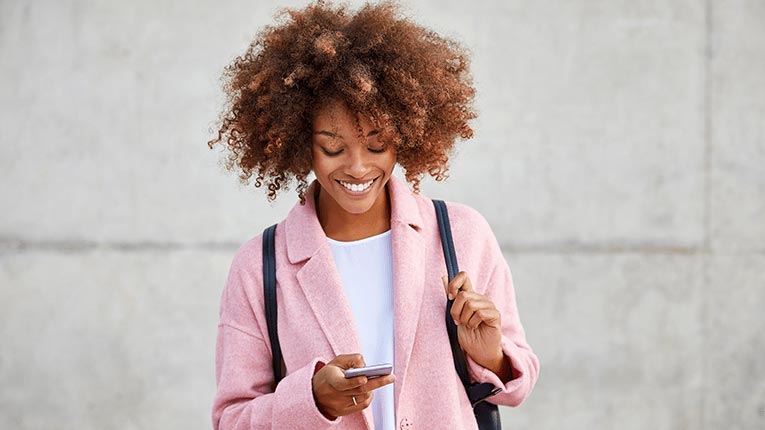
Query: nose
(358,163)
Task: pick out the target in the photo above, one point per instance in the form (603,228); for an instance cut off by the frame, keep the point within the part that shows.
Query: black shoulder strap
(476,392)
(452,269)
(269,295)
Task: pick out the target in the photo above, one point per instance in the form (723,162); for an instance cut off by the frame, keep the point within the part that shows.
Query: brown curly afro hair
(413,84)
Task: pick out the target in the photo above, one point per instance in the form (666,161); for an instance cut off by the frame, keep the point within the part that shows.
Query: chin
(358,209)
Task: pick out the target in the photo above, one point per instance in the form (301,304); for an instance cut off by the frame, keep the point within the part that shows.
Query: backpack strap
(476,392)
(269,295)
(445,229)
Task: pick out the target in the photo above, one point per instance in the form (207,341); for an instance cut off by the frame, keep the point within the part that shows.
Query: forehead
(335,115)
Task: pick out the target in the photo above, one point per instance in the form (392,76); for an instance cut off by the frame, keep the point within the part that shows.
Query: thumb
(347,361)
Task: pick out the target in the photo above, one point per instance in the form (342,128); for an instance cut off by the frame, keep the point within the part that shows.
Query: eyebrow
(330,134)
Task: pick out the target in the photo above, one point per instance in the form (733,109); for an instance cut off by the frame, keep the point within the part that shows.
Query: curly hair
(412,83)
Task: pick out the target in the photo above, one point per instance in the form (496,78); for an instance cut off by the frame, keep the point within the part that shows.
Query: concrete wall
(619,157)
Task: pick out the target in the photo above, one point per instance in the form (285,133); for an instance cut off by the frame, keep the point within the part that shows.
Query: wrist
(504,370)
(499,364)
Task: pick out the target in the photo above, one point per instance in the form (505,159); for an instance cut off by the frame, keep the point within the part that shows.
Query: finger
(450,288)
(347,361)
(455,285)
(339,382)
(345,404)
(483,316)
(472,303)
(470,307)
(467,284)
(456,309)
(459,303)
(468,302)
(363,401)
(349,384)
(335,376)
(373,384)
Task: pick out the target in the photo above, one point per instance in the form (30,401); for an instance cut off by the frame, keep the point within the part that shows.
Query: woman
(360,270)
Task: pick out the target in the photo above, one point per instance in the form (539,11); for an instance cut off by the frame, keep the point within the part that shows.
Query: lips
(357,187)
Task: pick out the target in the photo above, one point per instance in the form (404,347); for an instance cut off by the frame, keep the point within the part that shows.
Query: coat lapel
(318,278)
(408,276)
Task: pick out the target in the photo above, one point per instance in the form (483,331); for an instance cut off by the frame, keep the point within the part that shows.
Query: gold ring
(354,400)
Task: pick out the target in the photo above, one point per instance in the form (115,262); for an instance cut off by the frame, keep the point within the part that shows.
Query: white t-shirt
(366,269)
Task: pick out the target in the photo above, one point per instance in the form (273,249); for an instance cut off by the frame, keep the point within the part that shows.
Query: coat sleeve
(498,286)
(524,363)
(244,399)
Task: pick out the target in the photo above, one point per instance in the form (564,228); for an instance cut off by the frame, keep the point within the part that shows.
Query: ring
(354,400)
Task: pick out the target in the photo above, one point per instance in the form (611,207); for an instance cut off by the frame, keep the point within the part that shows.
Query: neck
(341,225)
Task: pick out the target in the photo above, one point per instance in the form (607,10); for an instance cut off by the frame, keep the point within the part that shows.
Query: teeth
(357,187)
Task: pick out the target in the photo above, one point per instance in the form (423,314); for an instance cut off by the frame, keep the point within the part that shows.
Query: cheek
(391,164)
(323,169)
(318,164)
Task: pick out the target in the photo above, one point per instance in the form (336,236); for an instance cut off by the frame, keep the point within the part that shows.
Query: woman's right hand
(334,394)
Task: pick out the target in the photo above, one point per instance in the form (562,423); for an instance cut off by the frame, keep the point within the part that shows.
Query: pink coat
(316,324)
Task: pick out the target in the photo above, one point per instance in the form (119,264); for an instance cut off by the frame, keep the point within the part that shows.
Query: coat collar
(404,207)
(304,234)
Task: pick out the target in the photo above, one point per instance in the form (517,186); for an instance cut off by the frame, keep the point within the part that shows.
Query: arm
(243,367)
(489,324)
(517,357)
(490,334)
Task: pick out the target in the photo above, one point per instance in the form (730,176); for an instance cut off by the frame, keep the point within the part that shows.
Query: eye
(331,154)
(377,151)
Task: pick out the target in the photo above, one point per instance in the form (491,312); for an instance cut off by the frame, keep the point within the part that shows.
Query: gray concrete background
(619,156)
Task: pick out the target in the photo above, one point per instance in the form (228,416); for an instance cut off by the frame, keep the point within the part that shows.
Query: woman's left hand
(478,322)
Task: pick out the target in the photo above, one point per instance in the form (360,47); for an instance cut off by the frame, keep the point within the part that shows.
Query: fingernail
(451,296)
(456,322)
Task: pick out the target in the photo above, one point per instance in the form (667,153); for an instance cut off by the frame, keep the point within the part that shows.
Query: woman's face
(351,165)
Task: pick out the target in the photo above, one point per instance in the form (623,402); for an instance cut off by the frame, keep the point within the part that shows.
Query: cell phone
(369,371)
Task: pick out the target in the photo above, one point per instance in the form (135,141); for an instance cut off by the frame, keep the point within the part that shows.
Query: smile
(357,188)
